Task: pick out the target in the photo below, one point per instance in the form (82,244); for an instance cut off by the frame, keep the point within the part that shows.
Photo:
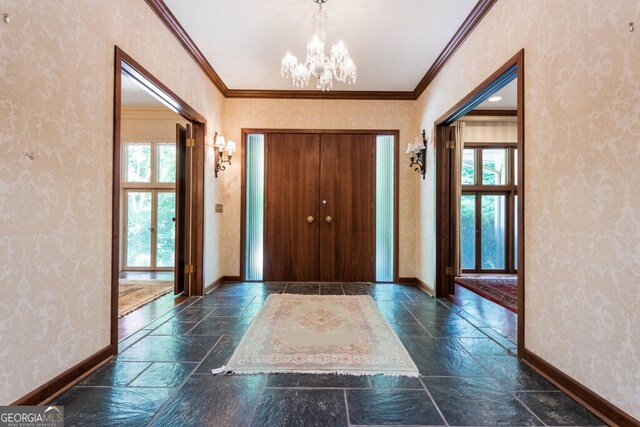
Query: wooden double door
(319,207)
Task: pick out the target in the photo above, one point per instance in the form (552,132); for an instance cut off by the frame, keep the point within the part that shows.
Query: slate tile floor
(468,377)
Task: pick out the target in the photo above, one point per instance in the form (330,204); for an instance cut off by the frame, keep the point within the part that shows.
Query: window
(149,205)
(488,207)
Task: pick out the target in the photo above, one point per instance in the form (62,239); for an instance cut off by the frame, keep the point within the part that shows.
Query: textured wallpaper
(582,169)
(490,131)
(56,104)
(310,114)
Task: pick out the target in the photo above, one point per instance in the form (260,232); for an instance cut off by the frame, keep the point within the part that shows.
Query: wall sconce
(222,146)
(418,152)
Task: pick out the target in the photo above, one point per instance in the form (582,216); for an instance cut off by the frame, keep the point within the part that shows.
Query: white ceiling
(136,96)
(509,100)
(393,43)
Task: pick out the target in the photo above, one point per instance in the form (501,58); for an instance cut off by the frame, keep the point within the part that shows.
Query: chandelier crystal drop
(338,65)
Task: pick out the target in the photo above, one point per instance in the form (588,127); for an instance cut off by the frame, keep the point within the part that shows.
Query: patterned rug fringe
(221,371)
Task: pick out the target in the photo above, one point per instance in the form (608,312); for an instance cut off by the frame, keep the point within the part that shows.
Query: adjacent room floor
(137,288)
(162,375)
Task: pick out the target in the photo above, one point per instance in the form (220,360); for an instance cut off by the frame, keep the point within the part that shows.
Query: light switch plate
(218,208)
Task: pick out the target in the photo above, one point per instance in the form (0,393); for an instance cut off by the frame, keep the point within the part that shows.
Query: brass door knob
(310,219)
(328,219)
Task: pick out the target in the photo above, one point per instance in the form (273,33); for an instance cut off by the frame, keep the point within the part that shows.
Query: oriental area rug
(133,294)
(321,334)
(501,290)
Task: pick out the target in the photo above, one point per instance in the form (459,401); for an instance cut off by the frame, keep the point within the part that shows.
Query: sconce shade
(220,143)
(231,146)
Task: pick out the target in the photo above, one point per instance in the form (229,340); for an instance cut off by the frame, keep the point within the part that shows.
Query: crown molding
(165,15)
(318,94)
(469,24)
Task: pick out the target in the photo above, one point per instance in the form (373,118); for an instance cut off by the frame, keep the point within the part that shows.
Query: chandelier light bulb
(338,66)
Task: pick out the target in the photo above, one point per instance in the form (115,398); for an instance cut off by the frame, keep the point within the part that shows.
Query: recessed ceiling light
(494,98)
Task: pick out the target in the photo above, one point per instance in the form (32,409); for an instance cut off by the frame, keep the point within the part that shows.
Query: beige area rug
(133,294)
(321,335)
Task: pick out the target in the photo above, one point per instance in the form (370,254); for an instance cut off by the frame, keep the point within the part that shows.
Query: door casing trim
(124,62)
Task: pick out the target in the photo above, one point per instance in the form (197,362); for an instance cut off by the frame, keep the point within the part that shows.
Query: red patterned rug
(501,290)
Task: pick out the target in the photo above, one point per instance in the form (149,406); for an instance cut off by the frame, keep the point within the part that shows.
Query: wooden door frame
(396,184)
(124,62)
(444,194)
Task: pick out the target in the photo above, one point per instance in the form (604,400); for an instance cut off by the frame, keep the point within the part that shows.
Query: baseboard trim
(595,403)
(222,279)
(425,288)
(54,388)
(417,283)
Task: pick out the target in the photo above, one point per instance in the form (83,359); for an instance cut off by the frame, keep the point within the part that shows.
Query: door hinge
(191,142)
(450,271)
(189,269)
(451,145)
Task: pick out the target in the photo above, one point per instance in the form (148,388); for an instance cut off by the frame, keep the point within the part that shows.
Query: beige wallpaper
(310,114)
(582,169)
(56,103)
(490,131)
(149,125)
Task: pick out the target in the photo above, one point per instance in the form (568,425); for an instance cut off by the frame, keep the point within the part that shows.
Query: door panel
(181,180)
(139,231)
(165,229)
(291,194)
(347,180)
(493,232)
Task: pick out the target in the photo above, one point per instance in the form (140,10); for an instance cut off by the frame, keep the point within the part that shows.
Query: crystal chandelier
(339,66)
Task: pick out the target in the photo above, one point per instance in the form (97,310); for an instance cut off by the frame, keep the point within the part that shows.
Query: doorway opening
(158,198)
(480,202)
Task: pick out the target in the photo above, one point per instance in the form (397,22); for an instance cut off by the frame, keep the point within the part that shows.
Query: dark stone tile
(220,354)
(249,289)
(405,407)
(131,339)
(227,310)
(193,314)
(301,407)
(395,312)
(166,348)
(251,310)
(173,327)
(441,357)
(558,409)
(221,326)
(212,400)
(513,374)
(390,296)
(477,402)
(429,311)
(482,346)
(451,327)
(317,381)
(410,330)
(500,339)
(164,375)
(386,381)
(213,300)
(115,374)
(303,288)
(356,288)
(107,406)
(331,289)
